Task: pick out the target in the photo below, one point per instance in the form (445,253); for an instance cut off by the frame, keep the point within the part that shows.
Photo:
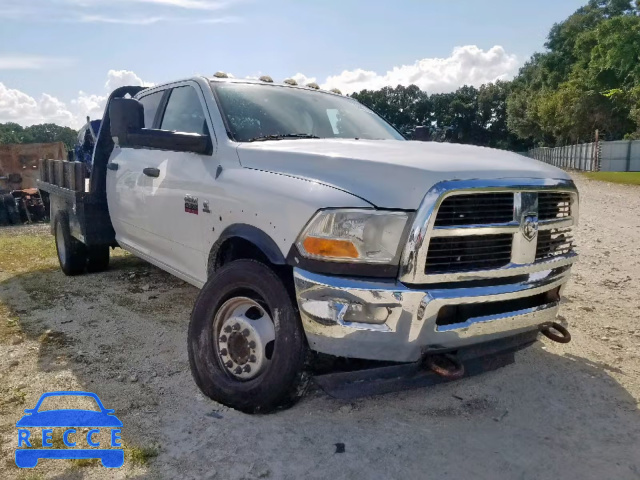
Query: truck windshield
(256,112)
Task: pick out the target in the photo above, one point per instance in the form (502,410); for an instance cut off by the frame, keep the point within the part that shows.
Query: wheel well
(236,248)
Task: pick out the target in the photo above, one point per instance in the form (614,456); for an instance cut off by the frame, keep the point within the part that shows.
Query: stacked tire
(9,214)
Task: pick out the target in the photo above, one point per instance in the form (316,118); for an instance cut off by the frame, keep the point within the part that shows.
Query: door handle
(151,172)
(112,166)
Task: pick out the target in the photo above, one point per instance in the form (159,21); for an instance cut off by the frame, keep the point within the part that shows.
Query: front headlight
(349,235)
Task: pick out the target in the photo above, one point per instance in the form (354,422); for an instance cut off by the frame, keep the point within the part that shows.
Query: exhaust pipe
(445,365)
(547,330)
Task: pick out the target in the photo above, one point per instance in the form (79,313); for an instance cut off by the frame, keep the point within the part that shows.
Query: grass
(21,253)
(85,462)
(627,178)
(8,324)
(29,475)
(141,455)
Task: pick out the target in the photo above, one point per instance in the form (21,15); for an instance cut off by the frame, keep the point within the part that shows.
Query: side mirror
(127,116)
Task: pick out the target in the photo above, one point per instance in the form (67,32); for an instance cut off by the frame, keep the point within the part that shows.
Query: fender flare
(252,234)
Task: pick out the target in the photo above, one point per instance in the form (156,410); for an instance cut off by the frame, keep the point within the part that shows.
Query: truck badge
(191,204)
(529,227)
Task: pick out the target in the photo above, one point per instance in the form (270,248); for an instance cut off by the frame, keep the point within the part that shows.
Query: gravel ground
(561,411)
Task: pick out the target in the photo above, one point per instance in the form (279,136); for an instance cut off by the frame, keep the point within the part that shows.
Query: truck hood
(388,173)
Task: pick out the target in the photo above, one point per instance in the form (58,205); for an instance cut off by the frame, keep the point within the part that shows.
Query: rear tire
(240,293)
(72,254)
(97,258)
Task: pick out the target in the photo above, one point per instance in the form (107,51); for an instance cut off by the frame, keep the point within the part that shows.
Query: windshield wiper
(282,137)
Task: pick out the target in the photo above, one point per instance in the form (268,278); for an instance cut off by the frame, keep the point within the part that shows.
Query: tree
(584,82)
(403,107)
(45,133)
(468,115)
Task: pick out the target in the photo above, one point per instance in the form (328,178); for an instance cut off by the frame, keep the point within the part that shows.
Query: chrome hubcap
(245,335)
(62,252)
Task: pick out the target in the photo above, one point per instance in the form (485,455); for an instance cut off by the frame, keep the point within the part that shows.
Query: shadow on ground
(122,334)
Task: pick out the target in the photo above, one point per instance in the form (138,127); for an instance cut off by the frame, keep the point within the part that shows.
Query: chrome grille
(552,243)
(472,209)
(554,205)
(471,252)
(488,232)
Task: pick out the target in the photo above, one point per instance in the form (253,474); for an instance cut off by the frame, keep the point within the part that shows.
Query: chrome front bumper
(386,320)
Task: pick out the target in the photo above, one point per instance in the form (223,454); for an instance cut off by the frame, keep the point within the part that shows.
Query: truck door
(126,185)
(175,201)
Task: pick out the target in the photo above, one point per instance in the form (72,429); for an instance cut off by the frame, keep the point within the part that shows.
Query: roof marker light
(336,90)
(266,78)
(290,81)
(313,85)
(220,75)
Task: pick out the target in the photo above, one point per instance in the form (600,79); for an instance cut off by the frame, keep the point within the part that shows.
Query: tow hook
(445,365)
(547,329)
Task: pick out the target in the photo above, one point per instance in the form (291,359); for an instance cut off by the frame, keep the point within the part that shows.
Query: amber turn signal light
(327,247)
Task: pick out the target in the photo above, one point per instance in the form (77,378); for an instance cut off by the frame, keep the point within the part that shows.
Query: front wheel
(246,342)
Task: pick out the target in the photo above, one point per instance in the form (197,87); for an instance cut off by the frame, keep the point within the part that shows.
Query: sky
(59,59)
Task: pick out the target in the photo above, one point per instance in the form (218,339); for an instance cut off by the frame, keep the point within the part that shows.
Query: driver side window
(184,112)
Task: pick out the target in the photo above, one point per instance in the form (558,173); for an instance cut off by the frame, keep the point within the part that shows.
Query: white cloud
(120,78)
(120,20)
(467,65)
(189,4)
(123,12)
(17,106)
(32,62)
(227,19)
(303,79)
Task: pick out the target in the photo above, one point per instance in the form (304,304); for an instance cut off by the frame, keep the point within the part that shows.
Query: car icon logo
(69,419)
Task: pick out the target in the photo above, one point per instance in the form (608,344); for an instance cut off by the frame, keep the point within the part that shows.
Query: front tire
(72,254)
(246,343)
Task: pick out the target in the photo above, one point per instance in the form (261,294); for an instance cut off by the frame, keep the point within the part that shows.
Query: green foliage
(468,115)
(403,107)
(627,178)
(44,133)
(587,80)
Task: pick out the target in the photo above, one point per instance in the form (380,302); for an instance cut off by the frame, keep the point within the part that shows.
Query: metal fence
(617,156)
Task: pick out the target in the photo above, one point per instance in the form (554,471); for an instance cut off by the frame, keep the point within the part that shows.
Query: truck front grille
(553,205)
(472,252)
(461,313)
(489,230)
(552,243)
(475,209)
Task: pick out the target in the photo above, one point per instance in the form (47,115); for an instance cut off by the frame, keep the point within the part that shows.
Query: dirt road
(561,411)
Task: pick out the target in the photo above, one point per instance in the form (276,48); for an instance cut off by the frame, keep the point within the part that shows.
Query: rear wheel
(72,254)
(97,258)
(246,342)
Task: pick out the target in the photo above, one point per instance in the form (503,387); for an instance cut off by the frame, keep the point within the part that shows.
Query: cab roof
(260,82)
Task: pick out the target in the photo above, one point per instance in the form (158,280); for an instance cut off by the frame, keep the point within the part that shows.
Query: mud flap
(407,376)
